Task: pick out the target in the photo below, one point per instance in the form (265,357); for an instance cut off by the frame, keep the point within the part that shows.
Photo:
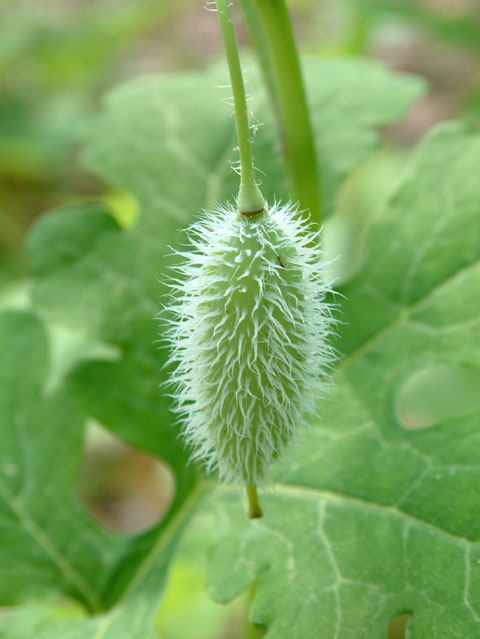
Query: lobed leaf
(368,519)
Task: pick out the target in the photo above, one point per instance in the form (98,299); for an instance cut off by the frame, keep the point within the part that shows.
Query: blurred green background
(57,60)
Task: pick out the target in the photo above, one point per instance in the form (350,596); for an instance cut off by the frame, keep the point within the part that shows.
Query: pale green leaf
(368,519)
(49,545)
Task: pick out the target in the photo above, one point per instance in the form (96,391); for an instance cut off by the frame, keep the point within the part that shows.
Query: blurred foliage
(58,56)
(55,59)
(455,21)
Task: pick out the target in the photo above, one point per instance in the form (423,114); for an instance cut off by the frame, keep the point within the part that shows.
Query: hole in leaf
(397,628)
(437,392)
(124,489)
(68,348)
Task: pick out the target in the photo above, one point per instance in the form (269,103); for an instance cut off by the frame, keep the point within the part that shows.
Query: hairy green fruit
(249,338)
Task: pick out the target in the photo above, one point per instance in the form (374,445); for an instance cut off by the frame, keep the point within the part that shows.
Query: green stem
(250,199)
(296,127)
(254,509)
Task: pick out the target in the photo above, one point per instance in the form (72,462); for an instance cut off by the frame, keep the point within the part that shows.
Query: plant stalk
(250,199)
(291,103)
(254,509)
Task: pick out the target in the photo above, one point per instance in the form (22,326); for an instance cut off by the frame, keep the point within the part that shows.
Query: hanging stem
(254,509)
(250,199)
(295,124)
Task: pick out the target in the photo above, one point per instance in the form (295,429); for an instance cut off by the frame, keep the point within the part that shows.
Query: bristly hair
(249,331)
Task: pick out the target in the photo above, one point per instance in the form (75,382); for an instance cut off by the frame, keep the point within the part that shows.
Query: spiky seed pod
(249,338)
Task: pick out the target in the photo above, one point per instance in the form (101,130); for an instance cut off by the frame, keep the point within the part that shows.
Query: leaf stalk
(281,68)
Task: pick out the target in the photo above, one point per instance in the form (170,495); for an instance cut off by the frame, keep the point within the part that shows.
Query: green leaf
(349,100)
(154,141)
(49,545)
(47,541)
(368,519)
